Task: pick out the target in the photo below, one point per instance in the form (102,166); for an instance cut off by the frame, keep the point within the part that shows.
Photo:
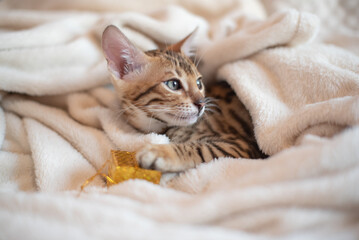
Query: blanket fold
(58,124)
(295,91)
(258,35)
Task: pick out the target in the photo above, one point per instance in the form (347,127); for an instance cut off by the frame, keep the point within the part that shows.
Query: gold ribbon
(122,167)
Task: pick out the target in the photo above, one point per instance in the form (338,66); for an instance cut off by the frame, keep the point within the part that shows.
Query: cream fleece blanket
(56,126)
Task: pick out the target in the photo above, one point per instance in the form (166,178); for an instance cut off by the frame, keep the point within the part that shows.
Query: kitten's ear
(185,45)
(123,58)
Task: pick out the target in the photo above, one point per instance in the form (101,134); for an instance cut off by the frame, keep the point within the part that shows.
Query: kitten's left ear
(185,45)
(123,58)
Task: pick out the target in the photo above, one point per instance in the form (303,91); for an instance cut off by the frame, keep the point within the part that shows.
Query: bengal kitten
(162,91)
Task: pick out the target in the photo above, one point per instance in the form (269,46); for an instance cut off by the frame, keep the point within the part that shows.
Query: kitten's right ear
(185,45)
(123,58)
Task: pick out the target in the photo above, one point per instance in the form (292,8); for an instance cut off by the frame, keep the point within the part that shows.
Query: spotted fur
(200,128)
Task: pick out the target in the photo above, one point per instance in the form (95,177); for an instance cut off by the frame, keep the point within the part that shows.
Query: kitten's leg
(179,157)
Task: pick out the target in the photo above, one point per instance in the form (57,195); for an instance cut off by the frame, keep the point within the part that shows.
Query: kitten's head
(158,88)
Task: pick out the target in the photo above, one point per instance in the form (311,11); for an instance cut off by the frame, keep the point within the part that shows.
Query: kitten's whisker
(216,110)
(160,109)
(211,111)
(213,105)
(210,99)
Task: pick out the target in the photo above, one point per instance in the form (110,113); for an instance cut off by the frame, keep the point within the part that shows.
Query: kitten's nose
(199,104)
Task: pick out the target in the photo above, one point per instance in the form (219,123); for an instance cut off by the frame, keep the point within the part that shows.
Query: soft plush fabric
(294,64)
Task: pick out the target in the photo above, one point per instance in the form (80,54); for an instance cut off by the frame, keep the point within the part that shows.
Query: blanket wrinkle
(299,28)
(89,141)
(82,107)
(62,170)
(338,19)
(59,119)
(16,140)
(292,103)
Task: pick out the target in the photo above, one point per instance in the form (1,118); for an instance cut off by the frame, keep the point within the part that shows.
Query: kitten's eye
(199,83)
(173,84)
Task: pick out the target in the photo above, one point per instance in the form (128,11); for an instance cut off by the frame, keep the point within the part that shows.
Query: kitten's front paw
(158,157)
